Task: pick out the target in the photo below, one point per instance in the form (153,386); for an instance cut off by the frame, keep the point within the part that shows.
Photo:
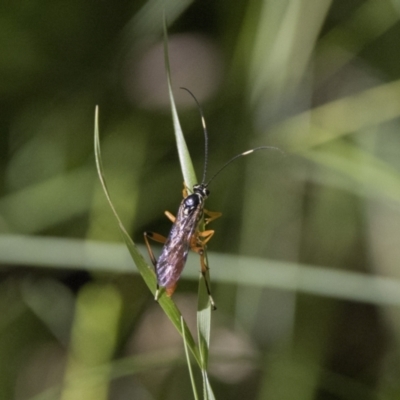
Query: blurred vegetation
(305,260)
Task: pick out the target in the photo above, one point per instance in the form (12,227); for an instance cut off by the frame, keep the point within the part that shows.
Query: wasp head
(201,189)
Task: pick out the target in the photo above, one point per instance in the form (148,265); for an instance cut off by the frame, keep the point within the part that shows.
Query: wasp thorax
(202,190)
(191,202)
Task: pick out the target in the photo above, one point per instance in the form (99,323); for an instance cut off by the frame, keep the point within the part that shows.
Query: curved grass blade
(147,272)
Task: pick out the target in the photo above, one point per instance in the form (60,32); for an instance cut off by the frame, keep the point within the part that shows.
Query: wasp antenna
(203,122)
(245,153)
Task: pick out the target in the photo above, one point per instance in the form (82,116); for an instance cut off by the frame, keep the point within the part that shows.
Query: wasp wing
(173,257)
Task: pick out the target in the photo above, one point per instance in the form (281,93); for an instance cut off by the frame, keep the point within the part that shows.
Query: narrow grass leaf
(203,322)
(203,332)
(189,175)
(196,396)
(208,392)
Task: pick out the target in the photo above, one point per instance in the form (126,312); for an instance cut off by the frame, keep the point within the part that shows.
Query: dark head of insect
(185,234)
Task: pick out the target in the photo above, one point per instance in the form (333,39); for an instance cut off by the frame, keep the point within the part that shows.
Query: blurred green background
(305,260)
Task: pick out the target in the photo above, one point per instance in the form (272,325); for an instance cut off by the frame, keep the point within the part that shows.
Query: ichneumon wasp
(185,233)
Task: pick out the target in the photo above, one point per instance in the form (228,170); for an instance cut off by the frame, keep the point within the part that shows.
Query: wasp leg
(170,216)
(205,236)
(198,246)
(185,191)
(212,215)
(157,238)
(204,269)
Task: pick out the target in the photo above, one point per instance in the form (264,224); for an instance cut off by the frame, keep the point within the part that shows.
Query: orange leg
(212,215)
(198,242)
(198,246)
(185,191)
(205,236)
(170,216)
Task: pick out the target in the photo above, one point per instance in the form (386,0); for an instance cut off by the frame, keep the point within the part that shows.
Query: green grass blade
(189,175)
(203,322)
(203,332)
(195,395)
(147,272)
(208,392)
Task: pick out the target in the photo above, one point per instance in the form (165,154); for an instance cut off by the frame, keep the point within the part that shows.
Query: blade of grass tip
(196,396)
(100,171)
(188,173)
(145,271)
